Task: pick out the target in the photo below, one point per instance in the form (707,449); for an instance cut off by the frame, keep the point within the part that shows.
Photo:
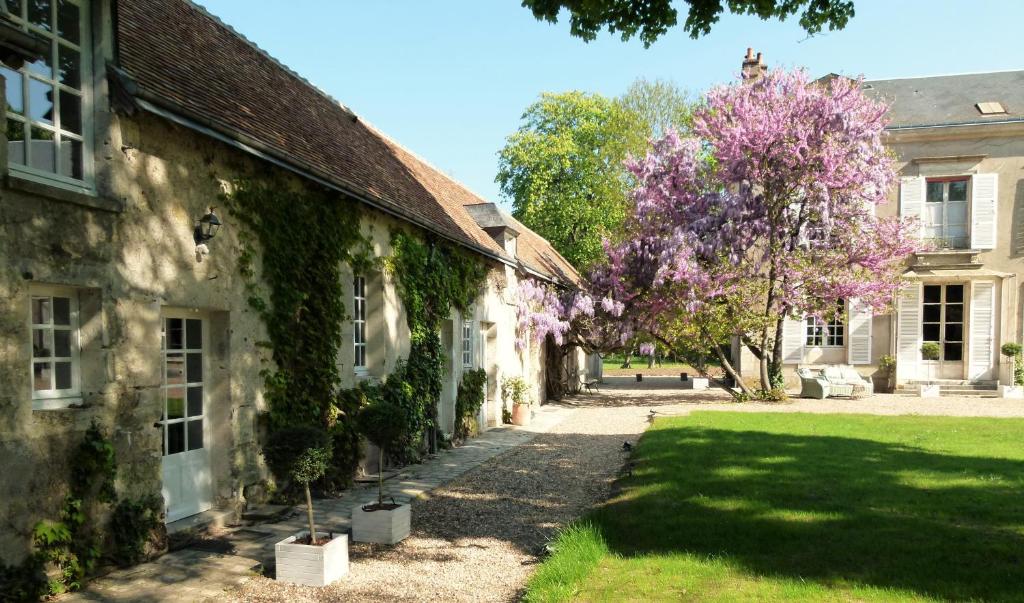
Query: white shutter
(981,329)
(912,192)
(908,343)
(859,333)
(794,333)
(984,191)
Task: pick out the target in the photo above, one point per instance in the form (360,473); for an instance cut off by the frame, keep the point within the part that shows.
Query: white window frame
(55,398)
(467,343)
(943,241)
(359,324)
(831,334)
(86,184)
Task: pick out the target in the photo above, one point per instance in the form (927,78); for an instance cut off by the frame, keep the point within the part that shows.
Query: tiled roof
(190,63)
(950,99)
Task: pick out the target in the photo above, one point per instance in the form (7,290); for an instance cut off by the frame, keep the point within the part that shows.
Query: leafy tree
(770,203)
(650,19)
(384,424)
(659,105)
(562,170)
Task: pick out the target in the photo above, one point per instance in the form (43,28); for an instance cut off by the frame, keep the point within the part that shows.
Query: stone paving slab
(191,574)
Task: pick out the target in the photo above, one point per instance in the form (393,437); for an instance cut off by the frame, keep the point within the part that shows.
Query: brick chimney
(753,67)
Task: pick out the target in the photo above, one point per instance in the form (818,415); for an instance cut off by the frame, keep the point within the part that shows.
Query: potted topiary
(930,351)
(513,389)
(384,424)
(308,558)
(887,370)
(1013,352)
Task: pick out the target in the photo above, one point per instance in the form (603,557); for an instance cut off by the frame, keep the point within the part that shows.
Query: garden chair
(813,384)
(589,384)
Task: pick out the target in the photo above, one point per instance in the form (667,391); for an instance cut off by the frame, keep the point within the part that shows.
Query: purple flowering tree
(768,211)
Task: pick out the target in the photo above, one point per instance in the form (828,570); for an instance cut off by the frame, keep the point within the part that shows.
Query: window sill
(57,192)
(46,404)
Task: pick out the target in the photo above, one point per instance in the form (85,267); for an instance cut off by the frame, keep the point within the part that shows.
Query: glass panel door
(943,323)
(186,474)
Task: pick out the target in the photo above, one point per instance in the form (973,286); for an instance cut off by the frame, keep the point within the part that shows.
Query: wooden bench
(589,384)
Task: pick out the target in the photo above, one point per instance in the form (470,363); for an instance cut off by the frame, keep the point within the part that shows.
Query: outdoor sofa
(836,380)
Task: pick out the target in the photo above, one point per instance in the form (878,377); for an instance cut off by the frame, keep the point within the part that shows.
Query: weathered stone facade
(127,255)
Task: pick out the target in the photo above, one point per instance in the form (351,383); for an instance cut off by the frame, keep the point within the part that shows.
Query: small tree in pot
(514,389)
(1013,352)
(301,558)
(887,368)
(384,424)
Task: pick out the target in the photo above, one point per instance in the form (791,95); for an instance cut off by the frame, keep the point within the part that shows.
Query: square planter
(1011,391)
(383,526)
(929,390)
(311,565)
(695,383)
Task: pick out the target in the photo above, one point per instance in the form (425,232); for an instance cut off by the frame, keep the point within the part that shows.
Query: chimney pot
(753,66)
(750,53)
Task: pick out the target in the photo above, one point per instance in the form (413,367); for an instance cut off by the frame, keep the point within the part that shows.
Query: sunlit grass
(784,507)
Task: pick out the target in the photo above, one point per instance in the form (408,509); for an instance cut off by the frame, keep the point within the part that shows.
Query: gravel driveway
(478,538)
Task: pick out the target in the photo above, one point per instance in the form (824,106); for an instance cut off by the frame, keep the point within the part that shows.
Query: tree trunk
(727,366)
(775,377)
(380,476)
(309,512)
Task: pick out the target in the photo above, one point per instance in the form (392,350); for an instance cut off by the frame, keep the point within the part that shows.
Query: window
(467,343)
(53,319)
(945,215)
(48,100)
(942,320)
(827,334)
(359,323)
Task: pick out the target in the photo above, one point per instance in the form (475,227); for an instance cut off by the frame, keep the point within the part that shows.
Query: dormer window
(48,129)
(991,108)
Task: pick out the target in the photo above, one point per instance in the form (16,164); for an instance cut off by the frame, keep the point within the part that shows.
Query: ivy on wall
(304,239)
(433,277)
(304,236)
(468,401)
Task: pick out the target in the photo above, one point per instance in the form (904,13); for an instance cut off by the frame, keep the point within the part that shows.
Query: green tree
(563,170)
(650,19)
(659,105)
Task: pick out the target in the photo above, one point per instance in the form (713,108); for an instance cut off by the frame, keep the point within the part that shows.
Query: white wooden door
(187,483)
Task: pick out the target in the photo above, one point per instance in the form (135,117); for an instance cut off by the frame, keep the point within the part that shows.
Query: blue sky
(449,79)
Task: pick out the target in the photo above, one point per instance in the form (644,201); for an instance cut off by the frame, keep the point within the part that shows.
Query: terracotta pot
(521,414)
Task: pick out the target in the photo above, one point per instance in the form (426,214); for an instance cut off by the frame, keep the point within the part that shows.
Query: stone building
(958,142)
(126,119)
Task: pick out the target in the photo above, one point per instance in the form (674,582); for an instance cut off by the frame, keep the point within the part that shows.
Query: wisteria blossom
(767,211)
(543,310)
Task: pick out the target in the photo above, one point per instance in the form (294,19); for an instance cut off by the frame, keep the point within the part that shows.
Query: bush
(469,400)
(384,424)
(776,394)
(132,525)
(887,364)
(930,350)
(1013,350)
(286,445)
(25,582)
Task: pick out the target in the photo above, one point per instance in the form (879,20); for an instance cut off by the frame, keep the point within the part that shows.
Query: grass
(800,507)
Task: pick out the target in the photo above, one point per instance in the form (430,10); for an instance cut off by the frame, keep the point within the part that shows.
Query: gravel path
(478,538)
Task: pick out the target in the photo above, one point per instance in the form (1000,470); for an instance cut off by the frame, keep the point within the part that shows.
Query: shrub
(384,424)
(286,444)
(1013,350)
(930,350)
(887,364)
(469,400)
(132,525)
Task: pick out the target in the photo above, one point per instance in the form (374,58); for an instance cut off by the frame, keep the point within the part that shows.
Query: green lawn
(782,507)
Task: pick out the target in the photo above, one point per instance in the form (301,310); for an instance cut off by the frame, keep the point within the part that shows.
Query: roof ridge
(923,77)
(272,58)
(424,161)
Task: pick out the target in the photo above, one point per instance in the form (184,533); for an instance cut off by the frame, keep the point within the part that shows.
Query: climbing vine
(433,278)
(305,236)
(468,401)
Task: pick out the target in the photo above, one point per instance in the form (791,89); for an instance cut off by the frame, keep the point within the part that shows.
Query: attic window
(990,108)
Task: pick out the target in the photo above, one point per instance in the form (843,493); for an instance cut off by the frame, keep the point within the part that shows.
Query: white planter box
(383,526)
(1011,391)
(929,390)
(311,565)
(695,383)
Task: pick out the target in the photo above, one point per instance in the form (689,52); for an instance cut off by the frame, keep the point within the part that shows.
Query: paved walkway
(207,569)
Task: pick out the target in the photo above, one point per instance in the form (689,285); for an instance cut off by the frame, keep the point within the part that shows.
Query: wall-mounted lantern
(206,228)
